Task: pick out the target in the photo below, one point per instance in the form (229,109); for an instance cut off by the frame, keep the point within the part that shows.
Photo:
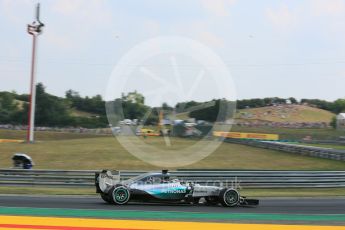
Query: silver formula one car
(160,187)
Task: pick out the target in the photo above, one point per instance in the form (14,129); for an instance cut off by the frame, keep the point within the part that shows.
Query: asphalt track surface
(285,208)
(273,205)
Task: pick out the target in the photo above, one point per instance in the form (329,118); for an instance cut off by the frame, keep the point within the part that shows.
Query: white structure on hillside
(341,121)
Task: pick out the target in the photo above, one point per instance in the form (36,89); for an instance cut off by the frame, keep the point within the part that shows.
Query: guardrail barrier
(327,153)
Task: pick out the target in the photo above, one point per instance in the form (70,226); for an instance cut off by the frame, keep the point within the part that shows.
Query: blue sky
(272,48)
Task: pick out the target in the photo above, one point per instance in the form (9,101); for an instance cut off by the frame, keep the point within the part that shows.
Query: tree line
(50,110)
(58,111)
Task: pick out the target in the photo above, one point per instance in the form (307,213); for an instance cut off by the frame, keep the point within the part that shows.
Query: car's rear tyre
(106,198)
(229,197)
(120,195)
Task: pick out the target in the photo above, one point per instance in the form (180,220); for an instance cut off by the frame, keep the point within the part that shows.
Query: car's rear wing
(105,180)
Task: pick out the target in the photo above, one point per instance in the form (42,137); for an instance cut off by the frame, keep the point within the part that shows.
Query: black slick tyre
(120,195)
(229,197)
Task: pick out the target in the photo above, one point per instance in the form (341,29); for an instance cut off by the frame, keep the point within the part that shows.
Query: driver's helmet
(165,178)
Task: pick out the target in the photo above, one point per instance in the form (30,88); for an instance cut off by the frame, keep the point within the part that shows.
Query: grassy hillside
(281,113)
(286,113)
(56,152)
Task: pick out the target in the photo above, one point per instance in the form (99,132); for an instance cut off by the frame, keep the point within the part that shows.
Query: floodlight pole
(33,29)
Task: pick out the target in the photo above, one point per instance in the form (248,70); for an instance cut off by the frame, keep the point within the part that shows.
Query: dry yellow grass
(106,152)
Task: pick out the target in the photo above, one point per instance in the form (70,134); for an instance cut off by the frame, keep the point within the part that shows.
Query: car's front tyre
(229,197)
